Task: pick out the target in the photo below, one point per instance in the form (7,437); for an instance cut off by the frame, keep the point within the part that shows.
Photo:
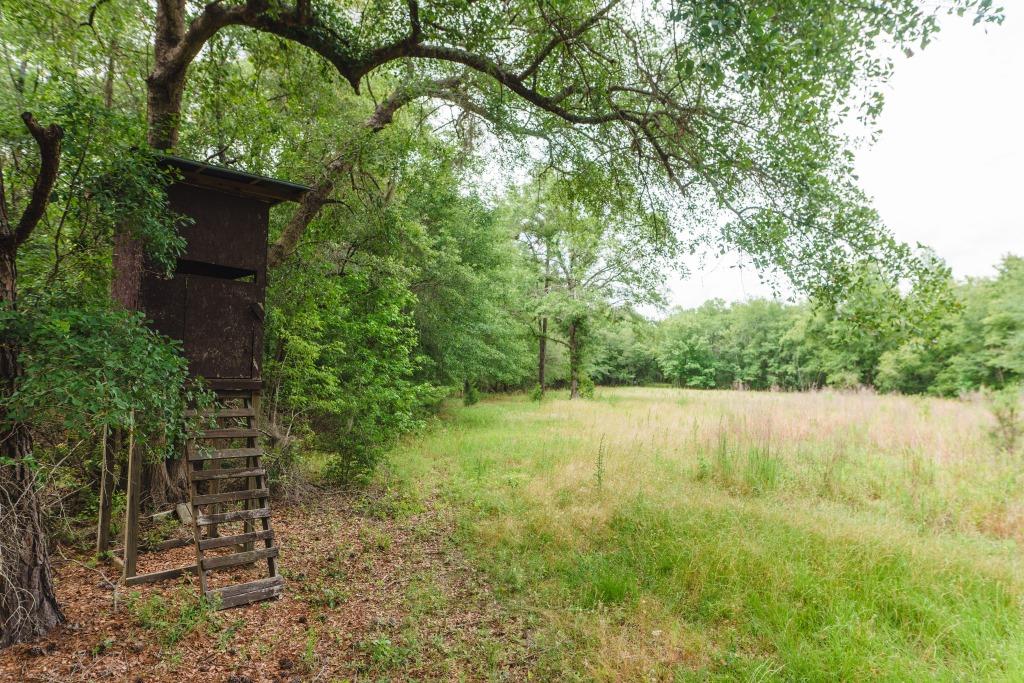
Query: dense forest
(416,269)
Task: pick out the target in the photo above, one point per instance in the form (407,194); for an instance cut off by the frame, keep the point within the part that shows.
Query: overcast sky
(947,170)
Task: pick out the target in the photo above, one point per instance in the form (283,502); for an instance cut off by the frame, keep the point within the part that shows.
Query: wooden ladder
(228,487)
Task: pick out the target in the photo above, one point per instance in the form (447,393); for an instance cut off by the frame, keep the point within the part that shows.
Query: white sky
(947,170)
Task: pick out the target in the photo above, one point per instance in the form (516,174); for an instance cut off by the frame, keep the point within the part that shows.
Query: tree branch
(510,80)
(314,200)
(48,140)
(563,37)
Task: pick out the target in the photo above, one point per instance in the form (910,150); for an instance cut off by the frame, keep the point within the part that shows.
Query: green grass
(669,535)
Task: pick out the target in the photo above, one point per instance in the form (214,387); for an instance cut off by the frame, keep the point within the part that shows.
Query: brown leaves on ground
(374,591)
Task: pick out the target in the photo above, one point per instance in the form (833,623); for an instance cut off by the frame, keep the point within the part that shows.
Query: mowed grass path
(661,534)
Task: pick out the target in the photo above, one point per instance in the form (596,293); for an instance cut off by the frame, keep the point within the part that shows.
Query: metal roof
(226,179)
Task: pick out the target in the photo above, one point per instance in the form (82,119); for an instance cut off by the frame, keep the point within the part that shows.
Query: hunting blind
(213,304)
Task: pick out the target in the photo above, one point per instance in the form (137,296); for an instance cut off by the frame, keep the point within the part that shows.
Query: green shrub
(87,368)
(1005,405)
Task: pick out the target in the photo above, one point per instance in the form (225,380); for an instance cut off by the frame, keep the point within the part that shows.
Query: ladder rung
(228,473)
(172,543)
(243,594)
(239,539)
(230,496)
(228,433)
(222,412)
(160,575)
(224,561)
(234,516)
(197,454)
(239,588)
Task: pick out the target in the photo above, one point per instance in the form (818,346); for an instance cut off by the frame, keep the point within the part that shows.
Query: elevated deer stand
(213,304)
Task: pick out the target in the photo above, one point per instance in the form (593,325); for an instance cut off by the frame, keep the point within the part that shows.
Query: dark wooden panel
(163,302)
(225,229)
(223,327)
(214,303)
(236,384)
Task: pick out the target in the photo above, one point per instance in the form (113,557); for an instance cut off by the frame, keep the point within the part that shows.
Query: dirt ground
(374,590)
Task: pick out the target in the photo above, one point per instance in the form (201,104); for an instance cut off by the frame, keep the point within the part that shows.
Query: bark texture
(575,361)
(28,604)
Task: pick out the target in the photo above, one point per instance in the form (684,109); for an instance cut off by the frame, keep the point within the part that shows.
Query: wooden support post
(106,495)
(251,402)
(131,517)
(191,467)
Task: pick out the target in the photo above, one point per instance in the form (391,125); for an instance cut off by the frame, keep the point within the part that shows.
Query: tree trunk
(28,604)
(164,481)
(165,85)
(542,353)
(574,361)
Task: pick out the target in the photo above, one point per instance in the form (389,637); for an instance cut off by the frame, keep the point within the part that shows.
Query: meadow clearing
(664,534)
(648,534)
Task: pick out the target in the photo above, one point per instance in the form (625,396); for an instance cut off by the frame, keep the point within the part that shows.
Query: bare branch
(564,37)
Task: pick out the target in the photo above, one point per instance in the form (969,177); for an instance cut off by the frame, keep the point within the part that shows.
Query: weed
(101,647)
(309,656)
(393,501)
(763,471)
(724,465)
(383,653)
(173,619)
(321,594)
(375,539)
(226,634)
(424,597)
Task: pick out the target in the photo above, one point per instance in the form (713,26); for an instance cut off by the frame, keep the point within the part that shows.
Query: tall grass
(669,534)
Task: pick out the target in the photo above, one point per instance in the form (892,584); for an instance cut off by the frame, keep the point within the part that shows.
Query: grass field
(661,534)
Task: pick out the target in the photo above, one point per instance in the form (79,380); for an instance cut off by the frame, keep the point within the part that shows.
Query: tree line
(940,337)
